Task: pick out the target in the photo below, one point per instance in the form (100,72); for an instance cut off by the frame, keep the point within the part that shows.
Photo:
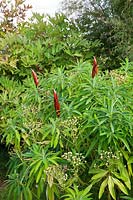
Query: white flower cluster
(72,125)
(108,158)
(56,172)
(76,159)
(109,155)
(119,77)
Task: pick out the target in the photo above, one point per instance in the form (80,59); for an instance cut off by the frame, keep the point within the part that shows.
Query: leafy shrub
(43,43)
(89,147)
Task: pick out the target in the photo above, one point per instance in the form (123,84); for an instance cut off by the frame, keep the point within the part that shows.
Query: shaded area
(4,157)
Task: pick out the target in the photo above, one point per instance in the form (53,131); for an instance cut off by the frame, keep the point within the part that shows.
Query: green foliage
(89,147)
(110,22)
(43,43)
(114,173)
(86,152)
(30,174)
(75,194)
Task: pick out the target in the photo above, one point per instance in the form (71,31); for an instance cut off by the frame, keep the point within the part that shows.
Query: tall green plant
(88,146)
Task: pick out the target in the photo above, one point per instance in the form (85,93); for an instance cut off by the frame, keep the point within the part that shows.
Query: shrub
(89,144)
(43,43)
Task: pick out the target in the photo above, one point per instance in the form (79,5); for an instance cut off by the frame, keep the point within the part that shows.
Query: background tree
(12,13)
(109,21)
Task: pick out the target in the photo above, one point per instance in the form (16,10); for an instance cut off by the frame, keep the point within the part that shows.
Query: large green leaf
(120,185)
(102,187)
(99,175)
(111,187)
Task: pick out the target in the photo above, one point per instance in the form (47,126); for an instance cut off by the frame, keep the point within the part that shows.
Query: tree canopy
(110,21)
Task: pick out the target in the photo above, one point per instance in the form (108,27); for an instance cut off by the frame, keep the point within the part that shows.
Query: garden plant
(66,127)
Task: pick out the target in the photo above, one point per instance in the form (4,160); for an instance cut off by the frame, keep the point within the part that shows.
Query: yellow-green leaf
(56,138)
(130,169)
(39,174)
(37,166)
(18,136)
(111,187)
(86,190)
(120,185)
(125,173)
(99,175)
(102,188)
